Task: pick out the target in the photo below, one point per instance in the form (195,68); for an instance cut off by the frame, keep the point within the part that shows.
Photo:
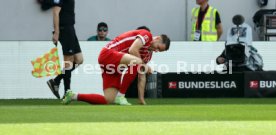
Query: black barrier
(202,85)
(153,87)
(260,84)
(132,91)
(238,84)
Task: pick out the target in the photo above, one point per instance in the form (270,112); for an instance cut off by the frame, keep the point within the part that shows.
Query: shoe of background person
(54,87)
(68,97)
(121,100)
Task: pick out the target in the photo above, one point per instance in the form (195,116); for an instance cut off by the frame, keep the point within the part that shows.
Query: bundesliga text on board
(202,85)
(262,84)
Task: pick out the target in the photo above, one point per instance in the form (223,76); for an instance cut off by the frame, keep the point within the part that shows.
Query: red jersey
(123,42)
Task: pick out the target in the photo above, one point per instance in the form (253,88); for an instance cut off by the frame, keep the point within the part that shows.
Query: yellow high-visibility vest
(208,27)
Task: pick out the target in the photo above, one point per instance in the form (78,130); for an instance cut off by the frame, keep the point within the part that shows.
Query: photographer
(222,59)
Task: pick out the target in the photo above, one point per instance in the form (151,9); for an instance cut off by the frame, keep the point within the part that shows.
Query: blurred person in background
(102,32)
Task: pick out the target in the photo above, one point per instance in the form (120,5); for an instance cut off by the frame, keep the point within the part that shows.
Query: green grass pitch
(160,117)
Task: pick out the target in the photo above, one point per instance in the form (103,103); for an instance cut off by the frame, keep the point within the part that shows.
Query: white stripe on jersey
(143,39)
(124,49)
(122,41)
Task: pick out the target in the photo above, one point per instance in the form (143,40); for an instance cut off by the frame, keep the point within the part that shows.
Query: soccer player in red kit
(129,77)
(131,49)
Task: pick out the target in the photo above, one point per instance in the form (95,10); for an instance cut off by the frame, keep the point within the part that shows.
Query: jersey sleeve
(145,36)
(58,3)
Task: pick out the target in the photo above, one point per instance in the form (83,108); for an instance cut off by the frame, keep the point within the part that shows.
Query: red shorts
(109,61)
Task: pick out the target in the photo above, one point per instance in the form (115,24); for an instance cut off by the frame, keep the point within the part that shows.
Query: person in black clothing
(64,31)
(234,67)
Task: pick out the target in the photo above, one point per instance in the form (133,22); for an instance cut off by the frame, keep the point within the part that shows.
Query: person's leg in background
(72,62)
(69,66)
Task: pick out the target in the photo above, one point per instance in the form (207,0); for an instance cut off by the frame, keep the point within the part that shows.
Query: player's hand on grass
(142,102)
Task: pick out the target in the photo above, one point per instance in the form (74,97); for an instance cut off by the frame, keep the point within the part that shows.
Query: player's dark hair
(166,40)
(143,28)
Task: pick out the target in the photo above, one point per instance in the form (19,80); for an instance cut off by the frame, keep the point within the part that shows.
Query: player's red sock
(92,98)
(129,77)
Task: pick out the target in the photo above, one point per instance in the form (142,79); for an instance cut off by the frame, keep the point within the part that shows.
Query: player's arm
(135,47)
(56,11)
(221,59)
(141,88)
(219,30)
(219,25)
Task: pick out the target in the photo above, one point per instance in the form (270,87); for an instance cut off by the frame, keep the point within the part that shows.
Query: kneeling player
(131,49)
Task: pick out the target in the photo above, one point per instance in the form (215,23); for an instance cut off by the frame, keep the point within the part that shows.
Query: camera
(238,47)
